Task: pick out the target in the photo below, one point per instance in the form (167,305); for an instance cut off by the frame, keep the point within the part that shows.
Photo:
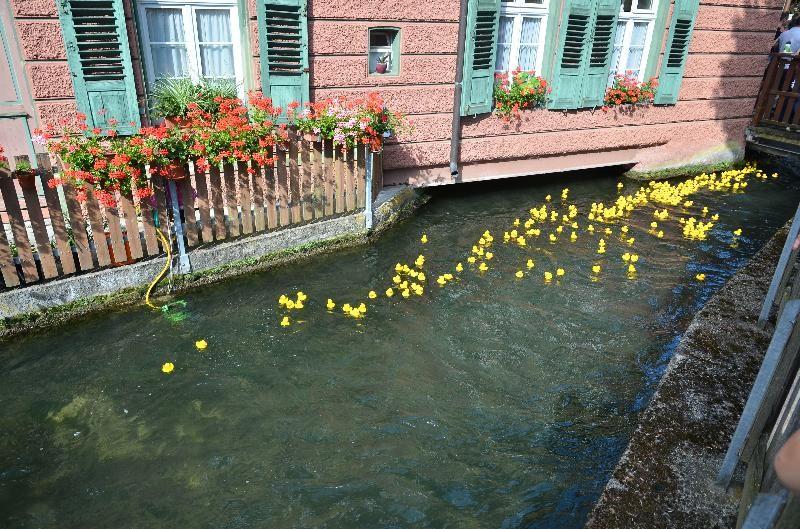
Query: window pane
(217,60)
(626,5)
(645,4)
(165,25)
(213,25)
(379,38)
(169,60)
(639,33)
(529,40)
(615,55)
(504,43)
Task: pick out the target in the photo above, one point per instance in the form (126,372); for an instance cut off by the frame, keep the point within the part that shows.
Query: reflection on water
(493,402)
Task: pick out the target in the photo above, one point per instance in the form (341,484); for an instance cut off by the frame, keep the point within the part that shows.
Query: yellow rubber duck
(169,367)
(548,276)
(519,274)
(608,231)
(423,239)
(590,228)
(406,293)
(396,279)
(700,277)
(201,344)
(573,236)
(516,222)
(631,241)
(297,305)
(513,234)
(553,237)
(601,250)
(559,229)
(421,276)
(282,300)
(448,276)
(634,258)
(660,234)
(346,307)
(619,185)
(737,231)
(471,259)
(530,264)
(560,272)
(301,296)
(398,267)
(285,321)
(290,304)
(715,217)
(389,292)
(372,294)
(459,267)
(420,261)
(330,305)
(596,269)
(548,198)
(623,229)
(441,281)
(654,224)
(521,241)
(362,308)
(489,255)
(631,269)
(355,313)
(482,267)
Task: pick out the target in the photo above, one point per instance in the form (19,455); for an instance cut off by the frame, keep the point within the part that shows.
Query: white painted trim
(517,11)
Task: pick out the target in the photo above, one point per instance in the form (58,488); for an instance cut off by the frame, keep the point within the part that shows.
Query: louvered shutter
(602,43)
(571,65)
(480,52)
(99,58)
(680,35)
(283,41)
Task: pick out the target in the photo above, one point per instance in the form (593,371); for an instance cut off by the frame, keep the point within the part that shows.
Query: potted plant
(383,63)
(25,174)
(522,90)
(628,91)
(175,98)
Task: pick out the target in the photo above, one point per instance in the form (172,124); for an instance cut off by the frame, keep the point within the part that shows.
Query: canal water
(491,402)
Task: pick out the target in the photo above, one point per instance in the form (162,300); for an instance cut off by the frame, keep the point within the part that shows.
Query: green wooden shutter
(595,77)
(480,52)
(283,41)
(99,58)
(680,35)
(571,60)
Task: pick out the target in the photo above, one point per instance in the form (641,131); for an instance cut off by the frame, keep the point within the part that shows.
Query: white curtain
(167,42)
(619,38)
(636,50)
(529,42)
(215,42)
(504,44)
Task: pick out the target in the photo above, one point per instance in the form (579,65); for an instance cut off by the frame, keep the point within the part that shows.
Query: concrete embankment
(665,478)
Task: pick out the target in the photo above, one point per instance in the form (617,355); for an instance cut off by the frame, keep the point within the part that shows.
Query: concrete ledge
(24,308)
(665,478)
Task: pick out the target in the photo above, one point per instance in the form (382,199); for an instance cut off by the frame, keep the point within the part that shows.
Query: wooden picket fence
(45,233)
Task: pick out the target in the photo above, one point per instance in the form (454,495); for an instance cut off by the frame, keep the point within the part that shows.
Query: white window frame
(519,9)
(630,18)
(190,35)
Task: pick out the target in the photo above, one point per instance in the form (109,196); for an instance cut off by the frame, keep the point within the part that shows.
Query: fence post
(184,266)
(368,191)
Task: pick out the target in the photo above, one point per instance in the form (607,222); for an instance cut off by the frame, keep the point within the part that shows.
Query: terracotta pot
(173,122)
(176,171)
(381,67)
(27,179)
(311,137)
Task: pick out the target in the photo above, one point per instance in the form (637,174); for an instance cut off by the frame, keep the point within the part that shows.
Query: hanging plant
(523,90)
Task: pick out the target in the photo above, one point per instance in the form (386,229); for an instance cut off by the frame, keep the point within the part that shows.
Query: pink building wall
(723,72)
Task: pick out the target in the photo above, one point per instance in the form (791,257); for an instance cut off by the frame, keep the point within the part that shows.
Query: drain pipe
(455,132)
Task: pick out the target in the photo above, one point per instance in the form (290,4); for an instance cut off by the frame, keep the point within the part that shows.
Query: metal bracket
(184,266)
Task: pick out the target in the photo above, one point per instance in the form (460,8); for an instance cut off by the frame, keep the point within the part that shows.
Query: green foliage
(173,96)
(23,166)
(523,90)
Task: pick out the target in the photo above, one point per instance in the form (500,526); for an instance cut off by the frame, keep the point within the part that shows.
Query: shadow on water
(491,402)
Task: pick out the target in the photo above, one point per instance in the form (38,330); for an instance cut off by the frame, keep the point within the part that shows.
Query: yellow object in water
(168,367)
(448,276)
(631,241)
(412,273)
(362,308)
(201,344)
(573,236)
(619,185)
(516,222)
(737,231)
(521,241)
(530,264)
(590,228)
(700,277)
(471,259)
(346,307)
(553,237)
(634,258)
(559,229)
(330,305)
(406,293)
(601,250)
(423,239)
(489,255)
(372,294)
(396,279)
(440,281)
(483,267)
(421,276)
(282,300)
(548,276)
(654,224)
(623,229)
(420,261)
(459,267)
(301,296)
(290,304)
(631,269)
(596,269)
(298,305)
(355,313)
(548,198)
(389,292)
(285,321)
(560,272)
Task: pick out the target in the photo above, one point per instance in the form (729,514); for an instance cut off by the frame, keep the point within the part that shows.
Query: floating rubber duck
(519,274)
(548,276)
(282,300)
(441,281)
(601,250)
(573,236)
(420,261)
(330,305)
(626,257)
(389,292)
(516,222)
(623,229)
(298,305)
(530,264)
(362,308)
(660,234)
(560,272)
(590,228)
(423,239)
(737,231)
(559,229)
(608,231)
(290,304)
(372,294)
(285,321)
(301,296)
(459,267)
(700,277)
(471,259)
(420,276)
(631,269)
(406,293)
(564,193)
(201,344)
(596,269)
(167,367)
(631,241)
(346,307)
(521,241)
(355,313)
(448,276)
(553,237)
(489,255)
(482,267)
(506,236)
(654,224)
(620,185)
(548,198)
(398,267)
(634,258)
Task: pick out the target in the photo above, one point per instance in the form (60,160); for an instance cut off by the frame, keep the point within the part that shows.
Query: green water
(490,403)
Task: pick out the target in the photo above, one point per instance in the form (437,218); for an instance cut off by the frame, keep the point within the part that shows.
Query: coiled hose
(168,246)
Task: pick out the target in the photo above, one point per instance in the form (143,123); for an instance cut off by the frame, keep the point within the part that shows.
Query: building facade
(102,56)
